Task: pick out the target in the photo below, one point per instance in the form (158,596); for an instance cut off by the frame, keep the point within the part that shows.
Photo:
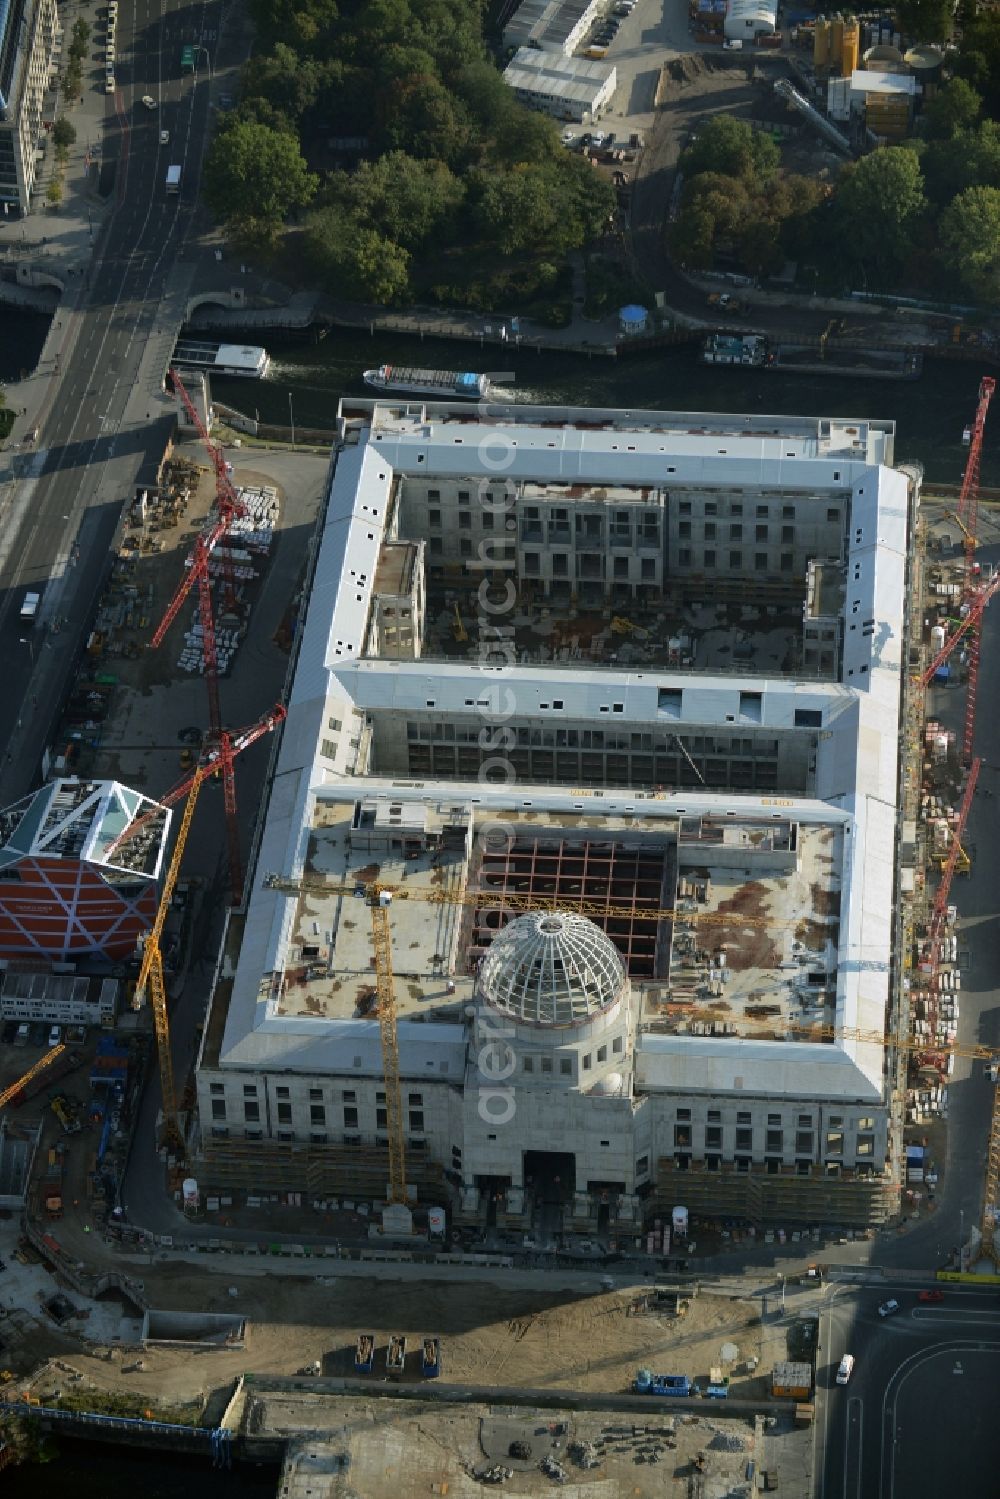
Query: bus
(187,60)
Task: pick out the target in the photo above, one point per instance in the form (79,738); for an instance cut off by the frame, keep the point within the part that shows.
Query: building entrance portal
(550,1176)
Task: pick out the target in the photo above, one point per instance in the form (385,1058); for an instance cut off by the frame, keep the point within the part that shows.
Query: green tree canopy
(879,203)
(424,119)
(732,148)
(403,199)
(970,158)
(255,177)
(355,261)
(969,238)
(63,133)
(287,81)
(300,23)
(925,20)
(954,107)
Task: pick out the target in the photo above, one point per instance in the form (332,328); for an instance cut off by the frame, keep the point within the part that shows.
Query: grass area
(6,423)
(116,1403)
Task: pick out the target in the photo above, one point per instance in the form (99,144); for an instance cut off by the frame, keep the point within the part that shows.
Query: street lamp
(211,72)
(291,417)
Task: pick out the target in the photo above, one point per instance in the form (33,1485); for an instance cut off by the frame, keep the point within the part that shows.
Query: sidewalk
(60,242)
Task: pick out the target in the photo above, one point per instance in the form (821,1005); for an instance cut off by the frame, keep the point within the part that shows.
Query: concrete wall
(198,1328)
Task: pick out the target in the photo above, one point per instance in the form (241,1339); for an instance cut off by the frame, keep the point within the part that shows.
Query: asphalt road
(917,1417)
(61,512)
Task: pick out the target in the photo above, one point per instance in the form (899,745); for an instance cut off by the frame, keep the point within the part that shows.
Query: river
(930,413)
(90,1470)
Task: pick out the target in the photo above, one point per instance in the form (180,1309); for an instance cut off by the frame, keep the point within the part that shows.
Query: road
(63,500)
(916,1419)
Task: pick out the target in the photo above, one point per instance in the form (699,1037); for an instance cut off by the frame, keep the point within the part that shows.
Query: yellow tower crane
(385,990)
(30,1075)
(151,972)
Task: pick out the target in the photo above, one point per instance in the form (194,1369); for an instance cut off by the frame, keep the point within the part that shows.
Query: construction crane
(962,628)
(991,1193)
(15,1088)
(386,993)
(228,507)
(967,509)
(151,981)
(514,901)
(939,911)
(211,757)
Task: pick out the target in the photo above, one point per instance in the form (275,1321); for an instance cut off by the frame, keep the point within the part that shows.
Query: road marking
(854,1432)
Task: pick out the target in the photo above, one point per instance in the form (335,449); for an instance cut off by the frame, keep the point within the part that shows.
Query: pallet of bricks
(249,537)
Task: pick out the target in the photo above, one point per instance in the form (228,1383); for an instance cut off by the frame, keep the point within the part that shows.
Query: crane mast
(382,940)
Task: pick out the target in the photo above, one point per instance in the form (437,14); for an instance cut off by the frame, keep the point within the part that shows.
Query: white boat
(244,360)
(397,379)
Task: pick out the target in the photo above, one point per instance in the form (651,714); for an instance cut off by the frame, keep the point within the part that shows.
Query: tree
(970,158)
(54,192)
(300,23)
(255,176)
(403,199)
(925,20)
(955,107)
(63,133)
(354,260)
(289,82)
(879,202)
(424,119)
(731,148)
(515,211)
(969,238)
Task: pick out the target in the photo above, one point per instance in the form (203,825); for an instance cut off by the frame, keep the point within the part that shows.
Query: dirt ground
(489,1334)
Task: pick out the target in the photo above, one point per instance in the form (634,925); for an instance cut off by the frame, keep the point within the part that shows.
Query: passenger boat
(244,360)
(403,380)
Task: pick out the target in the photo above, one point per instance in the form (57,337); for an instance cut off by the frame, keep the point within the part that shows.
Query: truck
(663,1384)
(725,301)
(173,179)
(52,1185)
(28,611)
(364,1353)
(431,1362)
(395,1355)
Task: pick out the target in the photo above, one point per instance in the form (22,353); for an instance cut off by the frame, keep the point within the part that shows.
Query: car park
(845,1368)
(888,1309)
(931,1296)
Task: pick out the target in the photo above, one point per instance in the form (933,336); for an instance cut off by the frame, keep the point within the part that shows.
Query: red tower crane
(968,514)
(213,755)
(228,507)
(967,508)
(939,911)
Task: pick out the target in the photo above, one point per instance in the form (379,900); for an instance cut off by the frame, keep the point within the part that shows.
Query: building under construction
(624,785)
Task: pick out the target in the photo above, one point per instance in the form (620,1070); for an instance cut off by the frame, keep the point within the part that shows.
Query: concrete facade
(29,30)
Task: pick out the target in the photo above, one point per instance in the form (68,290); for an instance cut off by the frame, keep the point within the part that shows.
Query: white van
(846,1368)
(29,608)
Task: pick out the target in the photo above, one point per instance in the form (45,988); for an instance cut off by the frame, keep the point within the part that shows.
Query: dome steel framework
(551,968)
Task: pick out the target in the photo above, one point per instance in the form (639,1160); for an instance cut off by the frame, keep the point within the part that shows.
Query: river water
(930,413)
(89,1470)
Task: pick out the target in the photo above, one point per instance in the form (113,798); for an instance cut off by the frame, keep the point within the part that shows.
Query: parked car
(846,1368)
(164,137)
(149,101)
(932,1296)
(888,1309)
(55,1035)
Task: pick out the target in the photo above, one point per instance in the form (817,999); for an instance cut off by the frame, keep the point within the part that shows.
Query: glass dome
(551,968)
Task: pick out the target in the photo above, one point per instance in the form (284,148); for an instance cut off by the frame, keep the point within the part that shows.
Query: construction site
(577,1027)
